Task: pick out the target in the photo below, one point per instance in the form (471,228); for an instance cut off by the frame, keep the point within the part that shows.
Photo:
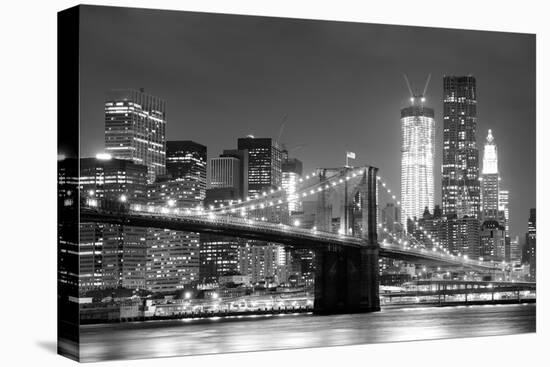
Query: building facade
(492,241)
(135,129)
(291,174)
(224,172)
(187,160)
(172,256)
(417,159)
(460,171)
(111,255)
(110,180)
(264,164)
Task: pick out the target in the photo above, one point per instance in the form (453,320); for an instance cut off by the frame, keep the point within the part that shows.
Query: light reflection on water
(185,337)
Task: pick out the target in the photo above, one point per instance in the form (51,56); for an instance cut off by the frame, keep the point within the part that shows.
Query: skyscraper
(490,180)
(417,159)
(460,171)
(135,125)
(503,209)
(186,159)
(264,163)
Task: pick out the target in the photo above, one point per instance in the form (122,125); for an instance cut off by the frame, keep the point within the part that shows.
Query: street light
(123,198)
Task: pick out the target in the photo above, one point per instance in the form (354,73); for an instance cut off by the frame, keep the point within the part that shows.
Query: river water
(249,333)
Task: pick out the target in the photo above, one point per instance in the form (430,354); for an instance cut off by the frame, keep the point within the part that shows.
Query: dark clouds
(340,83)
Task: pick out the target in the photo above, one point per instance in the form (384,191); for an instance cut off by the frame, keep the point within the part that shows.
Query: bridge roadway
(266,231)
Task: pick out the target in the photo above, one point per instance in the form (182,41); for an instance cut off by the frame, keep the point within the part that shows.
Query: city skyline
(313,100)
(228,167)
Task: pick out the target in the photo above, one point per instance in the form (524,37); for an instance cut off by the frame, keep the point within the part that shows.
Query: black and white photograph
(231,183)
(274,183)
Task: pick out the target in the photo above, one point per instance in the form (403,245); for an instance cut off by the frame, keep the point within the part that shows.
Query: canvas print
(232,183)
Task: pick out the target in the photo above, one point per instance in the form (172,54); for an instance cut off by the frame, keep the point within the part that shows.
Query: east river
(249,333)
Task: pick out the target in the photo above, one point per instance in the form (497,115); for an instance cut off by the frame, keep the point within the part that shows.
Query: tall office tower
(264,164)
(460,171)
(531,244)
(490,180)
(417,159)
(172,256)
(135,125)
(503,209)
(291,171)
(186,159)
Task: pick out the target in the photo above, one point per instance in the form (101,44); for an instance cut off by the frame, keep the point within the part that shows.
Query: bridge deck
(266,231)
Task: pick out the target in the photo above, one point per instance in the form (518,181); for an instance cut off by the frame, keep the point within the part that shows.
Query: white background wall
(28,147)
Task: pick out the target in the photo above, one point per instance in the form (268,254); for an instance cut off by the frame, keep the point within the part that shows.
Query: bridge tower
(346,279)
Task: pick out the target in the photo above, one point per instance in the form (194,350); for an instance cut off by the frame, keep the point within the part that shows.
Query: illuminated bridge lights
(261,224)
(305,192)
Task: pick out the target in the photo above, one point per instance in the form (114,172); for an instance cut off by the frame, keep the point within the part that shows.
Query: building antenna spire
(408,85)
(426,85)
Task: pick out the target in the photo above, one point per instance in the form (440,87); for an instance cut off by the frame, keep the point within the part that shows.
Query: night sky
(341,85)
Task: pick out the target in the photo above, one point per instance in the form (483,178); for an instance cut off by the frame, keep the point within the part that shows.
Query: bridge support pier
(346,281)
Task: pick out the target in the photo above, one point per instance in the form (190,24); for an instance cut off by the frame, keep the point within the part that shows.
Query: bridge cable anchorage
(437,244)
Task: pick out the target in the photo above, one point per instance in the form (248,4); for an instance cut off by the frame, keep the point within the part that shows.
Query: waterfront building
(108,255)
(219,255)
(135,129)
(172,256)
(263,262)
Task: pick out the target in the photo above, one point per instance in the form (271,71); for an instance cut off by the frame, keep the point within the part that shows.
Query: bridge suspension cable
(435,244)
(280,196)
